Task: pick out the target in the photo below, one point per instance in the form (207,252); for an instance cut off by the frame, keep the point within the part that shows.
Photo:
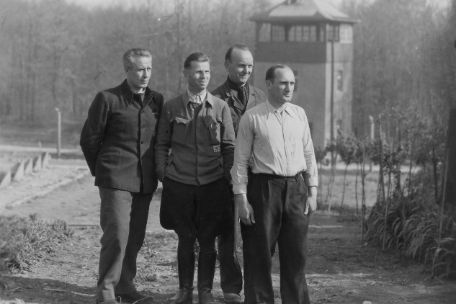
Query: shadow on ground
(13,288)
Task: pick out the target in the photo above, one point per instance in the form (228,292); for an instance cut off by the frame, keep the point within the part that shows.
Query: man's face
(138,74)
(281,88)
(198,75)
(240,66)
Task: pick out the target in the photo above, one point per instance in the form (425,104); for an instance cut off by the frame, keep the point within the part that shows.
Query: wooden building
(316,41)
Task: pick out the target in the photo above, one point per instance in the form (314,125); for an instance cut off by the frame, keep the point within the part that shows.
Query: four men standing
(274,178)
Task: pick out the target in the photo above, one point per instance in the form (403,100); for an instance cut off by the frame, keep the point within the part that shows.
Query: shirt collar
(198,98)
(205,97)
(234,86)
(130,94)
(286,108)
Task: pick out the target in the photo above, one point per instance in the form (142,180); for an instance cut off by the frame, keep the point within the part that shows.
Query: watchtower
(316,41)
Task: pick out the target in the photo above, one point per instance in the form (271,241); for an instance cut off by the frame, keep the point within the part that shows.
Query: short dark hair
(132,53)
(270,73)
(197,56)
(237,47)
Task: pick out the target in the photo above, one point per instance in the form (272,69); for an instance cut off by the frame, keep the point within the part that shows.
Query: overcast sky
(105,3)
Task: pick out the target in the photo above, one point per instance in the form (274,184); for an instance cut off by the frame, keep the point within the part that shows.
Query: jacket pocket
(214,127)
(181,130)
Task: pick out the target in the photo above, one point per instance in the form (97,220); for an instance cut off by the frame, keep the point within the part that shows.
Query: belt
(275,176)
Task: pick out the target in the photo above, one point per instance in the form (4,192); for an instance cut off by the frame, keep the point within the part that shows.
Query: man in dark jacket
(118,143)
(194,154)
(240,96)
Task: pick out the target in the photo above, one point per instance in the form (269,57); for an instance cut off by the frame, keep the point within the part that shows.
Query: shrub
(25,241)
(415,227)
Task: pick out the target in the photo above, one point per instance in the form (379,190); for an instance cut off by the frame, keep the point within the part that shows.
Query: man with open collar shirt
(275,199)
(118,143)
(240,96)
(194,154)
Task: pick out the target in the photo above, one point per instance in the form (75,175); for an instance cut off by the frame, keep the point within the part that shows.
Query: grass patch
(26,241)
(414,226)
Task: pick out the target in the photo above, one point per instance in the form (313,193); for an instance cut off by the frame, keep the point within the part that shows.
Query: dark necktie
(243,94)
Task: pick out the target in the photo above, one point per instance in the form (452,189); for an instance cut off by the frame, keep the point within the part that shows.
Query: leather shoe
(107,302)
(232,298)
(205,297)
(133,297)
(184,296)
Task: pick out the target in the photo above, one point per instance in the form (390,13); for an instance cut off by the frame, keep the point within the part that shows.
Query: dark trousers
(123,219)
(195,213)
(230,269)
(279,204)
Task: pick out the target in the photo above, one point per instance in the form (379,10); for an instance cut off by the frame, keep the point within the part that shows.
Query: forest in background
(55,54)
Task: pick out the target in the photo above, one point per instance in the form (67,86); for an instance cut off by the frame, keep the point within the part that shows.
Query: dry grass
(24,241)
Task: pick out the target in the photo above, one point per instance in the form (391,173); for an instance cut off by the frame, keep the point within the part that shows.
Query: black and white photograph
(227,151)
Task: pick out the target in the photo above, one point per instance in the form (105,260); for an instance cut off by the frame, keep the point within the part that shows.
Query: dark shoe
(107,302)
(184,296)
(232,298)
(133,297)
(205,297)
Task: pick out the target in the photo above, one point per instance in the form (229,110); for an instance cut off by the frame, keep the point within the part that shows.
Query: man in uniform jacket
(240,96)
(194,154)
(118,143)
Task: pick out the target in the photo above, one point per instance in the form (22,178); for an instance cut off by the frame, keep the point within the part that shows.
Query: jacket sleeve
(228,140)
(93,130)
(163,141)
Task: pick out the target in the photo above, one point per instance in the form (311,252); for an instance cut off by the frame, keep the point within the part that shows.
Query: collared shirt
(195,147)
(197,98)
(242,91)
(226,92)
(273,141)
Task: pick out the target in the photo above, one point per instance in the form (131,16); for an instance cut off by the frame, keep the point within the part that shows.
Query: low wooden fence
(23,168)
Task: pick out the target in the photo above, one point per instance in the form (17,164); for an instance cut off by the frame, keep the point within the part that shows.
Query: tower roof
(295,11)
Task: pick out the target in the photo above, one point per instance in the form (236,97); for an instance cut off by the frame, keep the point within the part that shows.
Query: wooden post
(372,136)
(59,131)
(450,187)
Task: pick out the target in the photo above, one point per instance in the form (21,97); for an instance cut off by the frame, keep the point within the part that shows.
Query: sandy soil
(341,268)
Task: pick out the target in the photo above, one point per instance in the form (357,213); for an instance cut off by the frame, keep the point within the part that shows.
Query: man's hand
(311,200)
(160,175)
(245,209)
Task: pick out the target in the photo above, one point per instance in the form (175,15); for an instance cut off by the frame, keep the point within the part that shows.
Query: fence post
(372,136)
(59,131)
(450,187)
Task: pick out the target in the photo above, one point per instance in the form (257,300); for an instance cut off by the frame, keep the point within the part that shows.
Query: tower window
(306,33)
(346,33)
(264,34)
(277,33)
(322,33)
(333,32)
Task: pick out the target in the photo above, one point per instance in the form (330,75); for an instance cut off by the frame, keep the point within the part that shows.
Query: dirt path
(340,268)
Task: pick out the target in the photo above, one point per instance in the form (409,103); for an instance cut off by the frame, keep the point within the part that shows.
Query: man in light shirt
(275,183)
(194,154)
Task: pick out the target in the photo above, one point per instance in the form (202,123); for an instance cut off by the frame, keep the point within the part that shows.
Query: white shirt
(273,141)
(197,98)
